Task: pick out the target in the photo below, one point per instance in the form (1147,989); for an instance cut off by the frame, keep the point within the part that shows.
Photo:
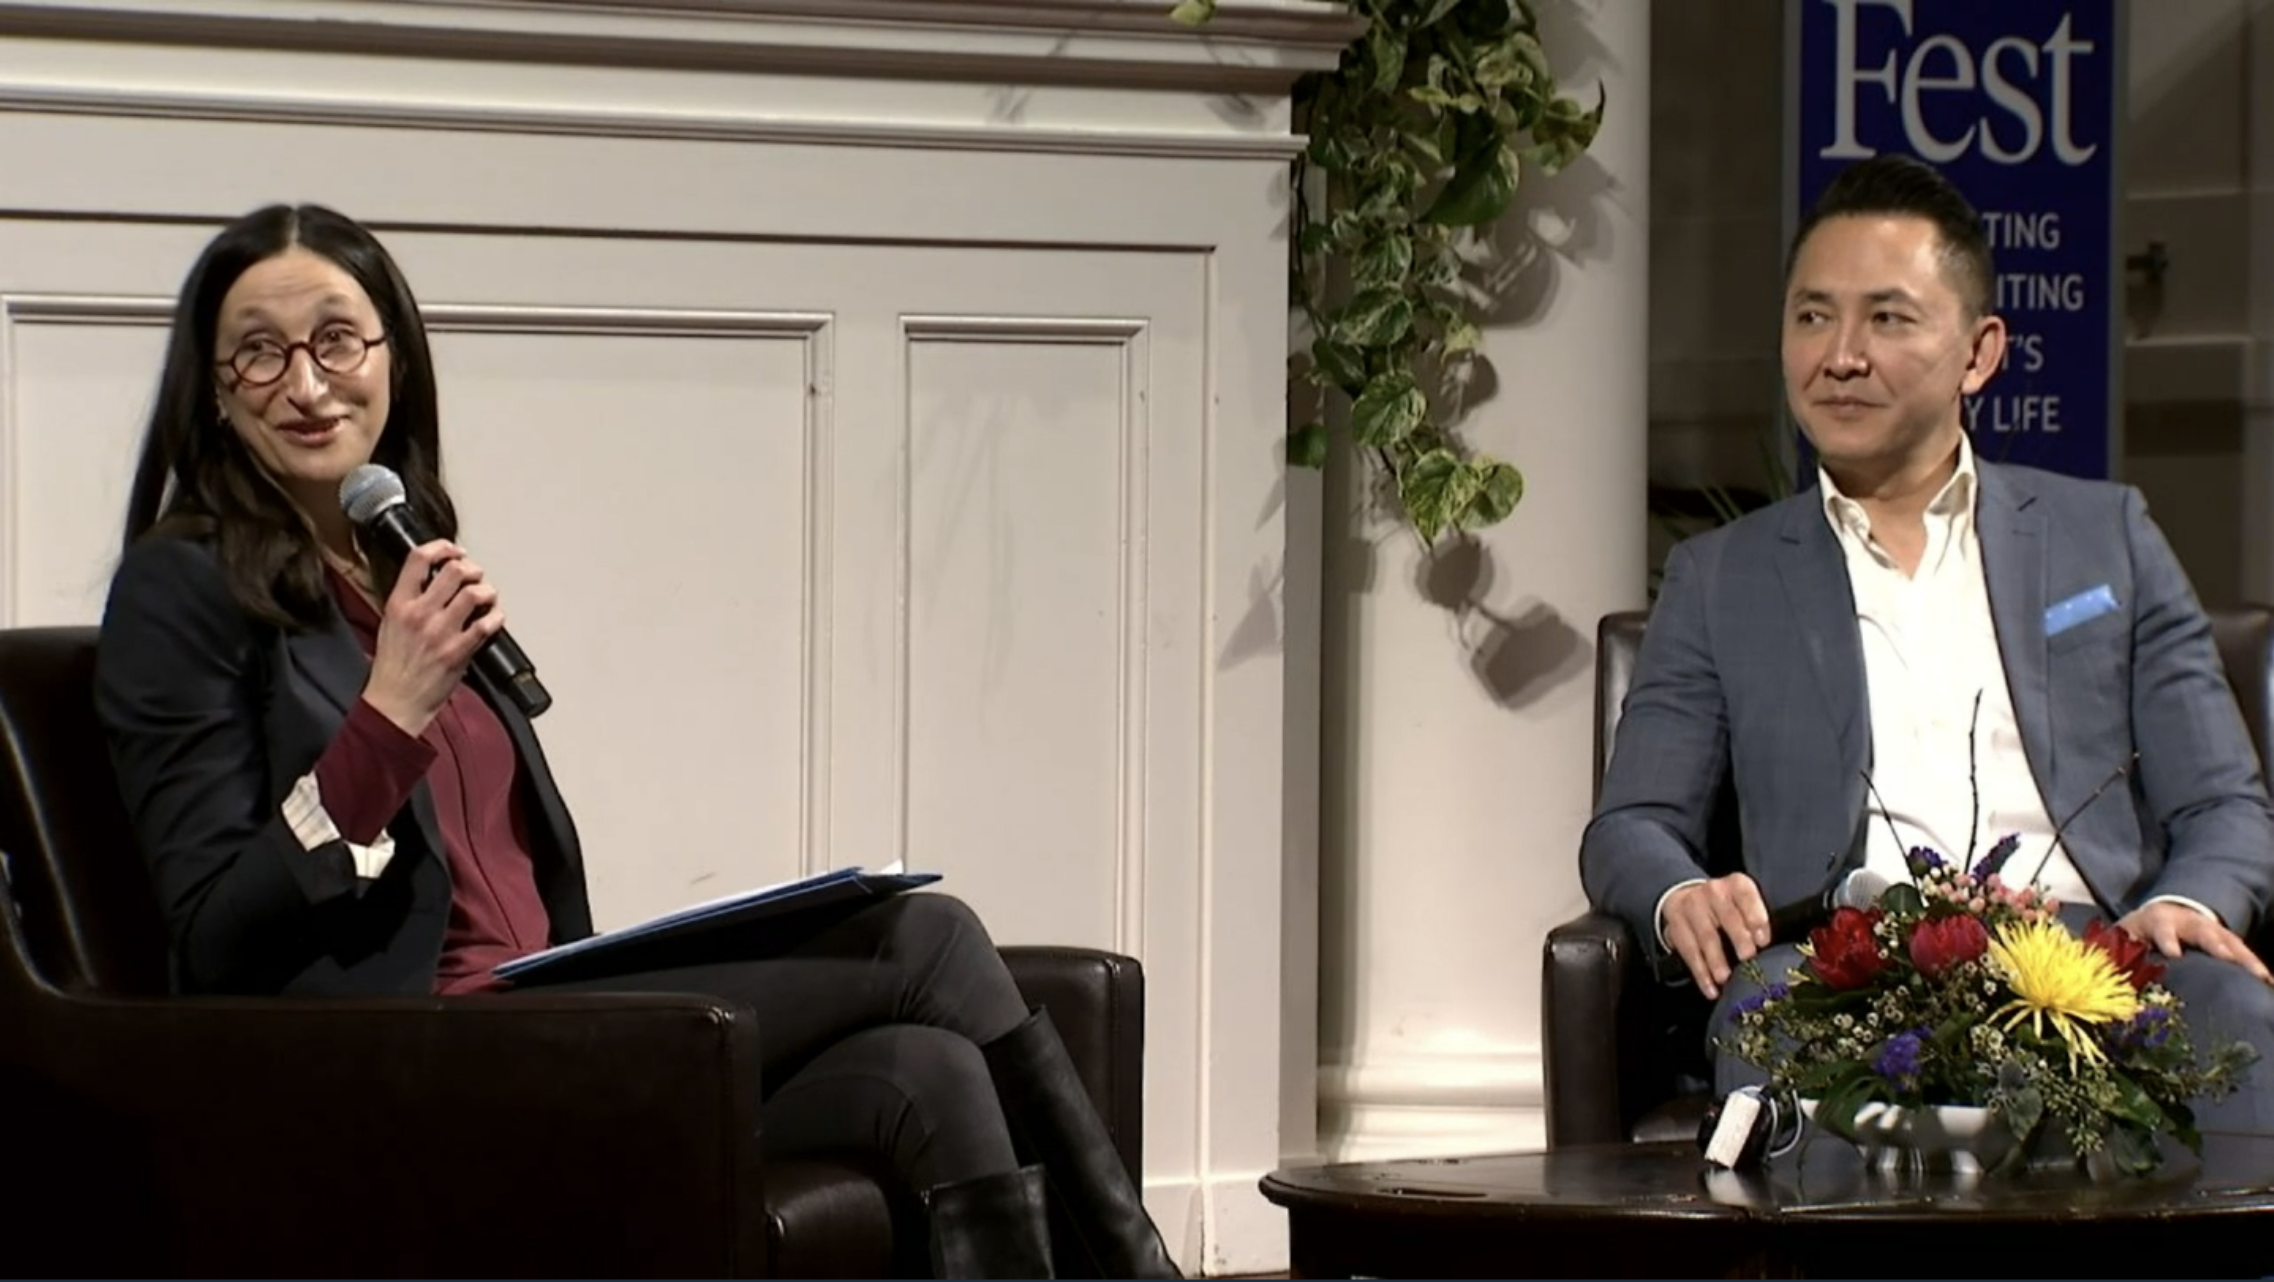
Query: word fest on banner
(2016,102)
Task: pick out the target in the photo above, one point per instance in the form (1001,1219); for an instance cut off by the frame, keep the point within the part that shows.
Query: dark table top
(1823,1181)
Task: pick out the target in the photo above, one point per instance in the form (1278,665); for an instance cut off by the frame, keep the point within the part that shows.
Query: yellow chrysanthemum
(2062,981)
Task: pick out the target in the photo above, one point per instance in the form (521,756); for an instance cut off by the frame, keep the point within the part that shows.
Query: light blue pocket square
(2082,608)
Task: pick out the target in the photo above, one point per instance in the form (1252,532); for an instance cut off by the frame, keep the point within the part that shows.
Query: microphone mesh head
(369,490)
(1861,889)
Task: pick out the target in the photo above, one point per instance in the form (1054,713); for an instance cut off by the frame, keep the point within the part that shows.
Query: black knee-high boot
(993,1226)
(1053,1122)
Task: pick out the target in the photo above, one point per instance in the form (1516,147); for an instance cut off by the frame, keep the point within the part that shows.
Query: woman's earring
(220,407)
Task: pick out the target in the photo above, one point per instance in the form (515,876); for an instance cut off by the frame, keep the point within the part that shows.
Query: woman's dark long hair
(197,480)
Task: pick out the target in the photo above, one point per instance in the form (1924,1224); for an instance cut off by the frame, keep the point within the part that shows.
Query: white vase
(1962,1140)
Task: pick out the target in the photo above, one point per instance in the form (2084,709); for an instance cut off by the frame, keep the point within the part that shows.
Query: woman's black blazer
(212,717)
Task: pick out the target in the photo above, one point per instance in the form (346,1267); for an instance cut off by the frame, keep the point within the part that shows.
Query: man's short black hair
(1894,184)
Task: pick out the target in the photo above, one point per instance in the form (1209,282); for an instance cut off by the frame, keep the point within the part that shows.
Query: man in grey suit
(1931,649)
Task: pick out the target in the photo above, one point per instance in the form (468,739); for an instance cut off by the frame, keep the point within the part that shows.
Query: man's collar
(1957,495)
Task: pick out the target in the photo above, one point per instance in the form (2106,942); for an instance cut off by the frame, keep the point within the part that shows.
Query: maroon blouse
(468,762)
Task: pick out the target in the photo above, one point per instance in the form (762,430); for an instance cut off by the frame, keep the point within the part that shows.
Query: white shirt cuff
(304,813)
(2182,899)
(1658,914)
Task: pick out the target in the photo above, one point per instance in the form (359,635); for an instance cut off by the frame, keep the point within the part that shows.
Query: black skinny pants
(871,1026)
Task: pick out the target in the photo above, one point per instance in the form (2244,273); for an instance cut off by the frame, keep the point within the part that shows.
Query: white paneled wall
(876,425)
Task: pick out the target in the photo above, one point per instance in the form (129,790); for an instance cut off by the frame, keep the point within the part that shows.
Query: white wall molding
(1111,78)
(575,121)
(1249,47)
(1447,1103)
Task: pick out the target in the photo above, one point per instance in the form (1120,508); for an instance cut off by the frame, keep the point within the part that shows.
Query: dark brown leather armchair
(1625,1053)
(144,1134)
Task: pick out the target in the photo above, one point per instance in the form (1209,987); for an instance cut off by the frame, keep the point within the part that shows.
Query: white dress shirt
(1942,719)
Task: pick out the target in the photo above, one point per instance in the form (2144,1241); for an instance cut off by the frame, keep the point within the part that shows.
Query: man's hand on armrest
(1694,917)
(2172,922)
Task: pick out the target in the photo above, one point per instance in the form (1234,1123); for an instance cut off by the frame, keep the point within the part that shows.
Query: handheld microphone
(374,499)
(1791,923)
(1859,890)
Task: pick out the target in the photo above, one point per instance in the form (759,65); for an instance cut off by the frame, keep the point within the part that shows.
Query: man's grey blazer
(1753,663)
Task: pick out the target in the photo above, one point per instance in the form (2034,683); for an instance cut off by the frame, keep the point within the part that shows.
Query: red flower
(2130,954)
(1939,943)
(1845,952)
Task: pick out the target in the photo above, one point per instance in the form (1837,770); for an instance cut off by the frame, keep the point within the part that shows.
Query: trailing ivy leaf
(1386,200)
(1346,231)
(1486,18)
(1479,191)
(1434,75)
(1193,12)
(1307,446)
(1528,50)
(1503,65)
(1385,262)
(1441,88)
(1442,265)
(1339,365)
(1592,122)
(1449,137)
(1389,409)
(1439,100)
(1387,44)
(1461,335)
(1504,117)
(1523,115)
(1375,318)
(1563,132)
(1550,157)
(1402,175)
(1430,487)
(1417,135)
(1566,110)
(1434,13)
(1497,489)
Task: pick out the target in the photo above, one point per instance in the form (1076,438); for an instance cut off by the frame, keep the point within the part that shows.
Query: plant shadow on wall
(1413,230)
(1516,654)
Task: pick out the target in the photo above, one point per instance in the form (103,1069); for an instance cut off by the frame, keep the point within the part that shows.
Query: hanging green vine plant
(1420,136)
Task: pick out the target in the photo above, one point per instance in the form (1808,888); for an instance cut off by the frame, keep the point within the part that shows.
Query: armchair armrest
(1097,1001)
(1584,976)
(395,1137)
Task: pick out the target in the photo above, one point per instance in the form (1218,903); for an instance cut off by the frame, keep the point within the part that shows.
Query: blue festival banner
(2015,101)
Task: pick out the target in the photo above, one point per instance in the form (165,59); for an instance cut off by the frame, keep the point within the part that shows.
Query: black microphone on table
(1748,1126)
(374,499)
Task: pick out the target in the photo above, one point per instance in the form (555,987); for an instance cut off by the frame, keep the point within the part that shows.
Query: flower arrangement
(1959,989)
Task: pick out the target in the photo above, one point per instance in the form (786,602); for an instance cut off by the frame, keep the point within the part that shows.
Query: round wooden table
(1657,1210)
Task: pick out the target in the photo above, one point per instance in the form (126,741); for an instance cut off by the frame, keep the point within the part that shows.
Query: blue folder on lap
(736,912)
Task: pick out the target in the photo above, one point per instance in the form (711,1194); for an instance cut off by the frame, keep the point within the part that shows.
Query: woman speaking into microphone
(334,800)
